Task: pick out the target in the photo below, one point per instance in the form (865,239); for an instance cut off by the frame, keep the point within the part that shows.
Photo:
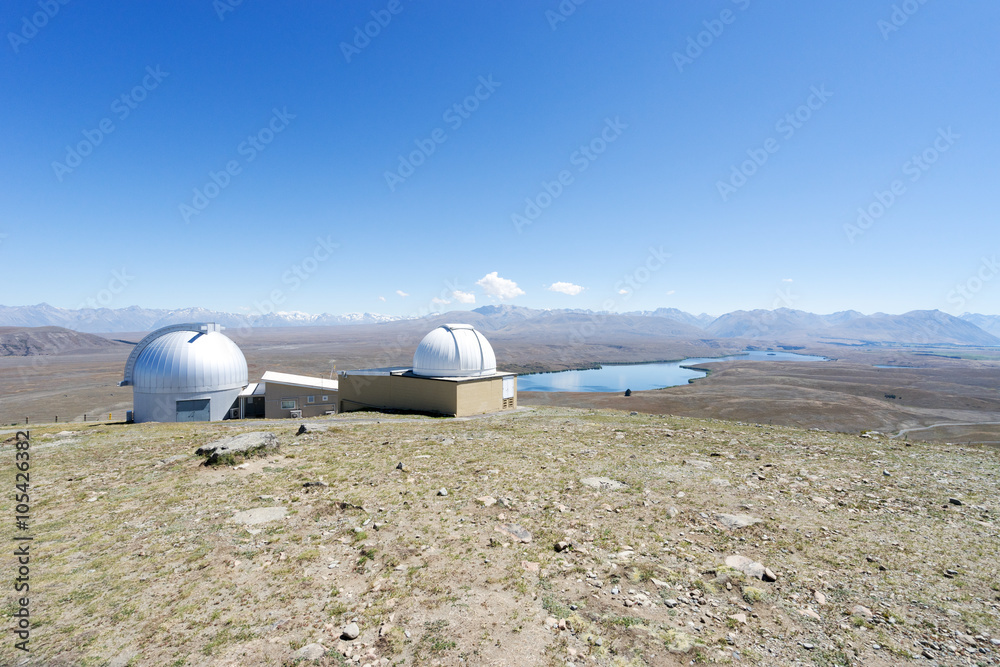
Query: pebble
(955,501)
(351,632)
(311,652)
(443,492)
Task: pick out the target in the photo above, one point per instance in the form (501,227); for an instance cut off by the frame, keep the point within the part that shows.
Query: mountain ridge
(785,325)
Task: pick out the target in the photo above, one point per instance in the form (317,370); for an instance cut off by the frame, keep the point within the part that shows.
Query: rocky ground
(549,536)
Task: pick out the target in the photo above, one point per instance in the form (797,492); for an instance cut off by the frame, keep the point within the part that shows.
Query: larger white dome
(454,350)
(189,361)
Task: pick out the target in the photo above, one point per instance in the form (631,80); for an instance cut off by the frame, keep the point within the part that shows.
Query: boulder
(245,445)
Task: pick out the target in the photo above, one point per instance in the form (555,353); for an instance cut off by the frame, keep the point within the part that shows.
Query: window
(326,399)
(288,404)
(310,399)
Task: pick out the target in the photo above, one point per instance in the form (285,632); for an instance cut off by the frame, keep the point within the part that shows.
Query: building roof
(299,381)
(253,389)
(186,358)
(454,350)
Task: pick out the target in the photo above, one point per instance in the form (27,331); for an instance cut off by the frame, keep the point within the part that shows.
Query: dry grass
(137,560)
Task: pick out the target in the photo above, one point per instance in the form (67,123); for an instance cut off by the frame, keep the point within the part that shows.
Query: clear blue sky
(311,117)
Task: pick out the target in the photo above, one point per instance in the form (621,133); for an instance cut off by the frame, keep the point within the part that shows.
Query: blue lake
(638,377)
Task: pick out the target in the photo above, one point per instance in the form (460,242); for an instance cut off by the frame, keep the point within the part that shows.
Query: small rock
(487,501)
(807,646)
(950,573)
(602,483)
(259,515)
(672,512)
(819,597)
(746,565)
(563,546)
(515,531)
(860,610)
(350,632)
(886,473)
(736,521)
(955,501)
(810,613)
(739,618)
(443,492)
(399,466)
(769,575)
(311,652)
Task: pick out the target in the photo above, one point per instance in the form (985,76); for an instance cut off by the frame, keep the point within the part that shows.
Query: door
(198,410)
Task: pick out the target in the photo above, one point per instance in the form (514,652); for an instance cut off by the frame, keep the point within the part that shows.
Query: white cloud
(381,298)
(463,297)
(671,292)
(623,291)
(787,280)
(499,287)
(438,301)
(402,293)
(565,288)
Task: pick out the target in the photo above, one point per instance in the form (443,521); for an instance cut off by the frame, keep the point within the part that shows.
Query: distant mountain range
(134,318)
(782,325)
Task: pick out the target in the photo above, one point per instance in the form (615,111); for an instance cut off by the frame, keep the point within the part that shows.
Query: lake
(638,377)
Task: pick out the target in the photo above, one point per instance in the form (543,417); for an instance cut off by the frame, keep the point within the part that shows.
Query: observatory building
(454,373)
(185,372)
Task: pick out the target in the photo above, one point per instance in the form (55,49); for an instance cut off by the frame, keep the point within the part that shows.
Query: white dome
(454,350)
(189,361)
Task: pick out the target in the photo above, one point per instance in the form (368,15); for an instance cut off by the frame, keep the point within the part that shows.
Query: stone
(350,632)
(399,466)
(443,492)
(736,521)
(244,445)
(695,463)
(487,501)
(310,652)
(746,565)
(740,618)
(955,501)
(810,613)
(769,575)
(515,531)
(672,512)
(310,428)
(602,483)
(860,610)
(819,597)
(563,545)
(259,515)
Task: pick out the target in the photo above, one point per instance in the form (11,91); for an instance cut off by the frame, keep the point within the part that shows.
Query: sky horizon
(390,157)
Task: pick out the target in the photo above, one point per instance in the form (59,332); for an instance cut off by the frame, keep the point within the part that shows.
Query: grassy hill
(141,557)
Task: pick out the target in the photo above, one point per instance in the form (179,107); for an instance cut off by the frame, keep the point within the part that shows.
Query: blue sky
(620,156)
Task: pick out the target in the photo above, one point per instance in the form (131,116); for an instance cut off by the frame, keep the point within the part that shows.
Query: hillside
(486,546)
(37,341)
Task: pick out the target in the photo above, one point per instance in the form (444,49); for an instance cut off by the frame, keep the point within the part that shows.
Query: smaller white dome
(454,350)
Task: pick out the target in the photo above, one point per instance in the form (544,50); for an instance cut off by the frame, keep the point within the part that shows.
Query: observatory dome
(190,361)
(454,350)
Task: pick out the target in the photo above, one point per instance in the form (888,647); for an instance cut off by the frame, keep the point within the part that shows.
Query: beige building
(279,395)
(454,373)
